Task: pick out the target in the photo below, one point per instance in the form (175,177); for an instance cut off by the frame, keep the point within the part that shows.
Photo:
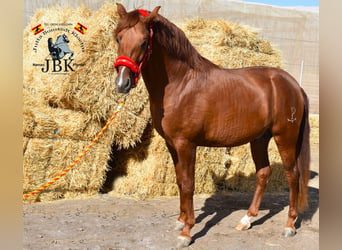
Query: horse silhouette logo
(60,48)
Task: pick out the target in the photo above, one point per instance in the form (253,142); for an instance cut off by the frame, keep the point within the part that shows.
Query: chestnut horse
(194,103)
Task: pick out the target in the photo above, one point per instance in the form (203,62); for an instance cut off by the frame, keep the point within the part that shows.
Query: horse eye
(118,40)
(143,45)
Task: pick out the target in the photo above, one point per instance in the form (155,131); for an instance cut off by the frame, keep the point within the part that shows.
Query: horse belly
(231,135)
(234,127)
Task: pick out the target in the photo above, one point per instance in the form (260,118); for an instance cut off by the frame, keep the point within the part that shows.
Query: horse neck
(155,72)
(170,59)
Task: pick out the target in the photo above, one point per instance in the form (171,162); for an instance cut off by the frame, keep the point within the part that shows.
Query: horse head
(134,37)
(65,38)
(62,39)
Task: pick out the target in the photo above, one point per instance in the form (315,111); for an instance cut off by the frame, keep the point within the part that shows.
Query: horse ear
(121,10)
(152,15)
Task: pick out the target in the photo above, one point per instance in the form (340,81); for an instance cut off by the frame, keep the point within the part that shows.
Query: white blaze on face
(123,80)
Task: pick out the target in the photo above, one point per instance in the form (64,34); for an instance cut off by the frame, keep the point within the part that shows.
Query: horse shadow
(121,157)
(224,205)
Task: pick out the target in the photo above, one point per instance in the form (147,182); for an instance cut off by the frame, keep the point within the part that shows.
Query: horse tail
(303,156)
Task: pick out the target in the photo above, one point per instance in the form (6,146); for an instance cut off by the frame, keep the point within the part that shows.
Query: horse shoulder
(182,112)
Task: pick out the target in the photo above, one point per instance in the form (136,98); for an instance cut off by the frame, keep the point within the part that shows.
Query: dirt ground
(109,222)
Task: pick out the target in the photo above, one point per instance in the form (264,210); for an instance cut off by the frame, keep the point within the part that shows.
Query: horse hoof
(242,226)
(289,232)
(179,225)
(183,241)
(245,223)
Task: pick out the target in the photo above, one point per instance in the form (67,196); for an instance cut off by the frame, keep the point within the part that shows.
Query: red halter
(131,64)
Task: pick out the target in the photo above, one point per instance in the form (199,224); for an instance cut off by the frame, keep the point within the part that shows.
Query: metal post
(301,73)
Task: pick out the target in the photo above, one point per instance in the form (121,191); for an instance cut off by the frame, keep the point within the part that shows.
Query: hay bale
(229,44)
(33,77)
(64,112)
(45,158)
(314,129)
(91,88)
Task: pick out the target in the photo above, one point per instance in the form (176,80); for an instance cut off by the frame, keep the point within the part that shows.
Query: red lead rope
(131,64)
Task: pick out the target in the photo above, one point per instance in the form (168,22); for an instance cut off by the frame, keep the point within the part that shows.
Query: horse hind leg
(263,171)
(286,144)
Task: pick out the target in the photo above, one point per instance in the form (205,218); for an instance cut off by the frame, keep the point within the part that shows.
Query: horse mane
(171,38)
(177,44)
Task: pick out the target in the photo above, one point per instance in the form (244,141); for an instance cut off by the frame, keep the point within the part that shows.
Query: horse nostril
(123,85)
(127,84)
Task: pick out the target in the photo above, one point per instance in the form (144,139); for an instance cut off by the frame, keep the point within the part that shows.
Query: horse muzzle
(124,80)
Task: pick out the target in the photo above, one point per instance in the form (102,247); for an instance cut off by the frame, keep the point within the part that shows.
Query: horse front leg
(185,174)
(262,176)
